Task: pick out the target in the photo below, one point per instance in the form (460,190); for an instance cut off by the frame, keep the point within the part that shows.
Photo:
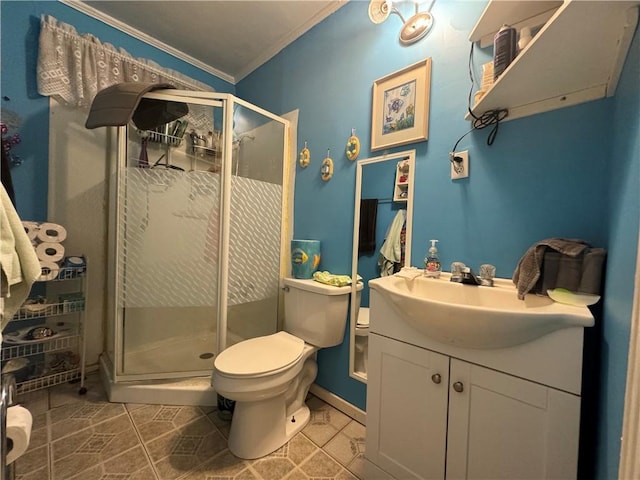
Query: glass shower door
(255,223)
(168,262)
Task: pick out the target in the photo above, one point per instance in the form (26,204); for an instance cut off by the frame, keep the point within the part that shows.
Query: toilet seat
(362,324)
(260,356)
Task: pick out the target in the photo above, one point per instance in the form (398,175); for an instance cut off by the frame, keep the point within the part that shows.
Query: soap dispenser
(432,265)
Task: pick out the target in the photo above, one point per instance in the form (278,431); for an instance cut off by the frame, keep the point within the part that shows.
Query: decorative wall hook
(326,171)
(353,146)
(305,156)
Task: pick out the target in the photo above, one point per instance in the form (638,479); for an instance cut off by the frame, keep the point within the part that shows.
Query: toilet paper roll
(52,232)
(31,229)
(50,252)
(50,271)
(19,423)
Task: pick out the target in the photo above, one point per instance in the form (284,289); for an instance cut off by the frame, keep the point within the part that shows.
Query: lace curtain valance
(72,68)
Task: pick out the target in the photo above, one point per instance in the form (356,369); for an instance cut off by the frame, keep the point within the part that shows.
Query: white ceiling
(229,39)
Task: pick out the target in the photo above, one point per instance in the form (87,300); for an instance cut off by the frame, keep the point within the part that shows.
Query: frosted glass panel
(255,225)
(254,254)
(170,239)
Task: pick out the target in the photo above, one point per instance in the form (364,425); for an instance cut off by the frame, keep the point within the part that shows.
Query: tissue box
(581,274)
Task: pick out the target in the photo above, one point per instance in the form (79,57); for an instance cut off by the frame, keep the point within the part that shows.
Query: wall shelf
(577,56)
(402,180)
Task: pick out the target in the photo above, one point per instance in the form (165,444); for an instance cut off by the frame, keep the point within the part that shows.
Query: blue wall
(567,173)
(624,170)
(20,22)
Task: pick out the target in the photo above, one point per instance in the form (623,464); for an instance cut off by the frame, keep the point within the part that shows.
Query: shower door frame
(227,102)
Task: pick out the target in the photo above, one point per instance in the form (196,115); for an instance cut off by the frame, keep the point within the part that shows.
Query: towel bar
(7,396)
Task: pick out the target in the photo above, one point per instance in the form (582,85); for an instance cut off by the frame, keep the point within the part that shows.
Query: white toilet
(269,377)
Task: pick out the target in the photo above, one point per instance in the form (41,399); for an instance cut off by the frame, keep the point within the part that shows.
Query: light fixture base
(379,10)
(416,27)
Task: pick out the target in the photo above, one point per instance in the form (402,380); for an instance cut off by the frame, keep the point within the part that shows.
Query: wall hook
(326,171)
(353,146)
(305,156)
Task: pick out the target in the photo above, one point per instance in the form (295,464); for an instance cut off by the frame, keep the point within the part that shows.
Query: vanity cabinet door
(406,409)
(504,427)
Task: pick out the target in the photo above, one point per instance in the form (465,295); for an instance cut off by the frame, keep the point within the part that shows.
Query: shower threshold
(195,391)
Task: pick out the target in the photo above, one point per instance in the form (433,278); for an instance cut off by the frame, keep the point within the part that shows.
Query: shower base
(195,391)
(183,354)
(155,358)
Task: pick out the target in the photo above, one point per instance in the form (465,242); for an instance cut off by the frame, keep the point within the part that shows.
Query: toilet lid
(260,355)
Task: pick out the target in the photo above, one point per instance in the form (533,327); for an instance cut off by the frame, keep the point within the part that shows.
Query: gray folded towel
(575,266)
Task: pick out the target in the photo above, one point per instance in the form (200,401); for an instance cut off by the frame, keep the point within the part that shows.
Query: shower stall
(198,210)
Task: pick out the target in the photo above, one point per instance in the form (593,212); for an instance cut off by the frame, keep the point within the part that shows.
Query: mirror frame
(410,156)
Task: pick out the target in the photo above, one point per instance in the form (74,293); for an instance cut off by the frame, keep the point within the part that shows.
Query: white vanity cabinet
(435,411)
(407,396)
(504,427)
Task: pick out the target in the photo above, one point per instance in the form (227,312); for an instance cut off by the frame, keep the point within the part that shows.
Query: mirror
(382,228)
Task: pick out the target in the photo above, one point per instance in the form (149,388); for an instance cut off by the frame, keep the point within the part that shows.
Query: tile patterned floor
(86,437)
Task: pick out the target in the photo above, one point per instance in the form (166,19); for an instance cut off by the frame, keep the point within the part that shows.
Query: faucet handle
(487,274)
(456,271)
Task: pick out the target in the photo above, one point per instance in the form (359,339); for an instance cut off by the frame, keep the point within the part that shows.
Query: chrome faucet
(460,273)
(468,277)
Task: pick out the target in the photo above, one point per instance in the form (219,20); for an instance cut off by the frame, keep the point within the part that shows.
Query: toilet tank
(315,312)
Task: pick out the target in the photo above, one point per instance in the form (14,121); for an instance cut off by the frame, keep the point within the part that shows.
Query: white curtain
(72,68)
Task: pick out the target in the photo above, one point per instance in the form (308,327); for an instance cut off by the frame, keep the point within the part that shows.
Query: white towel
(410,272)
(19,263)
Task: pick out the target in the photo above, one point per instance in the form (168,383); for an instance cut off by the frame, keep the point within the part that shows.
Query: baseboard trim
(341,404)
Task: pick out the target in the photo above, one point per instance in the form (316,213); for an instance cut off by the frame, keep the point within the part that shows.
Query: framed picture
(401,106)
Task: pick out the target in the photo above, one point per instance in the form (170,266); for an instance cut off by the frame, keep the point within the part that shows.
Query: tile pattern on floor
(85,437)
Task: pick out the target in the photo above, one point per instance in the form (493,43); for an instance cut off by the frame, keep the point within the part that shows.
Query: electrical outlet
(460,168)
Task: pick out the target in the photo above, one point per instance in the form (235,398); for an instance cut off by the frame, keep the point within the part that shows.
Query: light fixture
(412,30)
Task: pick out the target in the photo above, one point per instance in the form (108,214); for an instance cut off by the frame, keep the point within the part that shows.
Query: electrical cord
(487,119)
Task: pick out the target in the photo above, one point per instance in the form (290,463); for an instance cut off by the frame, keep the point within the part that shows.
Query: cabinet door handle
(436,378)
(458,387)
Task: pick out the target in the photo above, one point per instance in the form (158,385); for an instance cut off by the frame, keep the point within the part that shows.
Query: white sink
(470,316)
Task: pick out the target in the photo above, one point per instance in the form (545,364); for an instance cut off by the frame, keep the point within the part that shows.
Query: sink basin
(475,316)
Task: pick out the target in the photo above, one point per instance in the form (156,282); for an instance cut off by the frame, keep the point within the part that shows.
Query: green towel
(18,260)
(331,279)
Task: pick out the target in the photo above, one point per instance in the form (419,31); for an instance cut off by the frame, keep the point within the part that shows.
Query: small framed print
(401,107)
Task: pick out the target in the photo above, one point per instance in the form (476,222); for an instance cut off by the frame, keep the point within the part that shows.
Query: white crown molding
(143,37)
(290,37)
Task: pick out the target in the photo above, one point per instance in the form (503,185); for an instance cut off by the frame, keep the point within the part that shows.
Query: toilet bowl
(269,377)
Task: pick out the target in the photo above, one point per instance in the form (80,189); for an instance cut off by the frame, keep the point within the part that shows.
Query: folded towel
(410,272)
(19,264)
(331,279)
(529,267)
(367,234)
